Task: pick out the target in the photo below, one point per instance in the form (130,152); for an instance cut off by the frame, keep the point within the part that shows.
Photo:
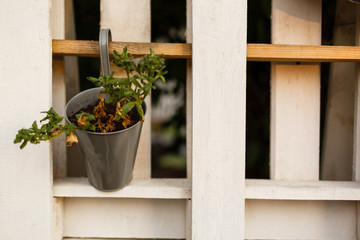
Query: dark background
(168,22)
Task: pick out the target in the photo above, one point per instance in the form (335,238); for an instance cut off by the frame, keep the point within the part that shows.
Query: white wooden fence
(215,201)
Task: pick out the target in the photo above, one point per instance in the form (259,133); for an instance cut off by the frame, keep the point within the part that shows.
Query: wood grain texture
(89,48)
(255,52)
(57,23)
(181,189)
(295,94)
(189,92)
(356,137)
(138,188)
(218,135)
(302,53)
(356,145)
(124,218)
(25,66)
(57,27)
(338,132)
(189,97)
(300,220)
(308,190)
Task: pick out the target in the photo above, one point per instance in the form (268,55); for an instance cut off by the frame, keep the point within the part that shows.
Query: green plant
(131,91)
(49,130)
(123,93)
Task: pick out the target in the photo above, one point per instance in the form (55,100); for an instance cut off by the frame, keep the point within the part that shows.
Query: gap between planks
(181,189)
(255,52)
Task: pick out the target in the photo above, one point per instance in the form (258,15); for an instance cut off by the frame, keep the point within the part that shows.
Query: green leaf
(140,110)
(118,81)
(128,93)
(135,82)
(127,108)
(23,144)
(91,117)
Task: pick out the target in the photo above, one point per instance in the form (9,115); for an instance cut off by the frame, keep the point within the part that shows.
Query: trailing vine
(123,93)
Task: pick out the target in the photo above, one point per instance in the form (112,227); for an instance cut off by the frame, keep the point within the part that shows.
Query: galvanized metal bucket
(109,157)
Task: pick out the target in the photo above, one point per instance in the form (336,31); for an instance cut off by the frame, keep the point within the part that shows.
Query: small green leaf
(140,110)
(23,144)
(34,125)
(127,107)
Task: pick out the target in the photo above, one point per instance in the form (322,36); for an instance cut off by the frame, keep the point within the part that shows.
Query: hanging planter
(106,120)
(110,156)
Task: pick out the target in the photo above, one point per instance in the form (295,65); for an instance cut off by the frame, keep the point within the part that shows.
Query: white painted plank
(292,190)
(138,188)
(57,22)
(356,144)
(124,218)
(71,63)
(57,27)
(58,218)
(189,91)
(75,162)
(59,102)
(149,218)
(189,96)
(180,189)
(300,220)
(218,136)
(25,66)
(129,21)
(337,150)
(295,94)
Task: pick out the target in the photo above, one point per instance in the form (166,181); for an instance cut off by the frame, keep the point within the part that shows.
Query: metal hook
(104,38)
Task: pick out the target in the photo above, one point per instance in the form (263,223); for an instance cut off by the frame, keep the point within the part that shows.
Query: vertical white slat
(58,218)
(337,151)
(25,66)
(75,160)
(356,145)
(57,27)
(129,21)
(189,95)
(295,94)
(71,63)
(57,22)
(219,95)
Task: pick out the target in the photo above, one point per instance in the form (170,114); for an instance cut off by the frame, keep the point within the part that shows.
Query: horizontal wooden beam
(89,48)
(299,53)
(255,52)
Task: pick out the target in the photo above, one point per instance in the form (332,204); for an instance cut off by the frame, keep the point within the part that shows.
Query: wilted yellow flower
(71,139)
(126,120)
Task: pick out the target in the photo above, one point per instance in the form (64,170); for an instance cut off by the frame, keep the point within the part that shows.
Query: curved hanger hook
(104,38)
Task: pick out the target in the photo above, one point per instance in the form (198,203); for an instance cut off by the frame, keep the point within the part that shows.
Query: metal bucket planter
(109,157)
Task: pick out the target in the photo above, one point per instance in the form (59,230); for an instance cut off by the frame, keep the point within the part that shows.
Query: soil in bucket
(105,115)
